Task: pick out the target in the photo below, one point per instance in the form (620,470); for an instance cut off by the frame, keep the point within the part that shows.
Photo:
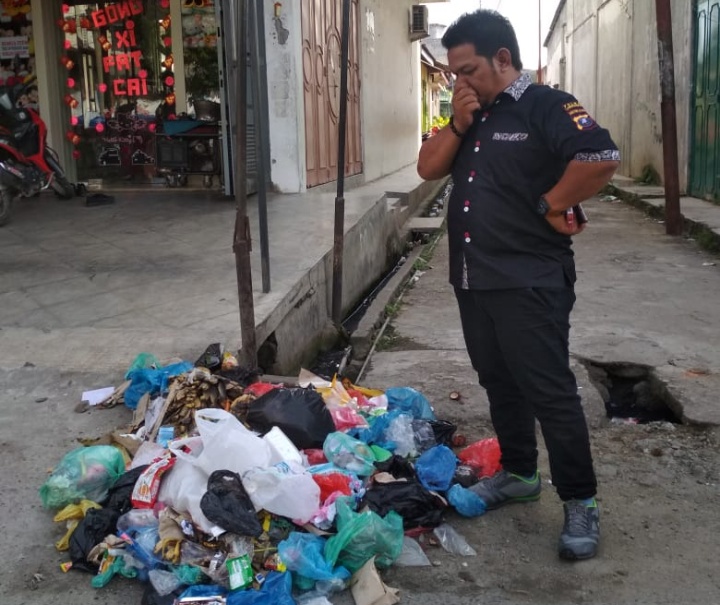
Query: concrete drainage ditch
(633,394)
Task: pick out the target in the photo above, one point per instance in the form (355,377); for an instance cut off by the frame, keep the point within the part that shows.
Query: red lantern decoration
(73,137)
(168,62)
(71,82)
(129,24)
(167,41)
(104,42)
(67,62)
(102,87)
(100,127)
(76,154)
(68,25)
(164,3)
(165,23)
(169,81)
(74,121)
(85,23)
(143,74)
(67,44)
(170,99)
(71,101)
(152,127)
(65,9)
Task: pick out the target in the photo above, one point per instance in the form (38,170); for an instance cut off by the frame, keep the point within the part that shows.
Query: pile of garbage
(227,489)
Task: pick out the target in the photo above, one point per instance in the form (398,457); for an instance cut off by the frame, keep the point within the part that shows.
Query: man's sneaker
(505,487)
(581,531)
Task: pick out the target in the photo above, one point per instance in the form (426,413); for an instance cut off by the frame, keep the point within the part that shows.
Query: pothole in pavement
(633,394)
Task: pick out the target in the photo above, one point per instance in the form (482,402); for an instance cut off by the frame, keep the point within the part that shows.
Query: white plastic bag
(227,444)
(285,489)
(412,555)
(182,488)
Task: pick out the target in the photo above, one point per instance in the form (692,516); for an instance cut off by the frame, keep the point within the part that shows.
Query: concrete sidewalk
(89,287)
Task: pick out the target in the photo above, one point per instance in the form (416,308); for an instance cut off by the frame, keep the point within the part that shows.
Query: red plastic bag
(260,388)
(483,455)
(315,456)
(333,482)
(346,417)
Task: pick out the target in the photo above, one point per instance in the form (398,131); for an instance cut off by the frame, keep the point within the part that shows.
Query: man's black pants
(518,344)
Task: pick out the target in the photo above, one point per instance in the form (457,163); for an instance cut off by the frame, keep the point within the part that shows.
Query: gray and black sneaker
(504,487)
(581,531)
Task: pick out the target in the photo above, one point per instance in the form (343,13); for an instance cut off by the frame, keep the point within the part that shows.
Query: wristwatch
(543,207)
(454,129)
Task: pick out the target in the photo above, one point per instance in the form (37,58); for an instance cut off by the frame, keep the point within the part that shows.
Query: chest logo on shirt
(577,113)
(511,137)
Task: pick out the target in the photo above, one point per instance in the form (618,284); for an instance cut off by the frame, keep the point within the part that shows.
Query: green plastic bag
(362,536)
(350,454)
(85,473)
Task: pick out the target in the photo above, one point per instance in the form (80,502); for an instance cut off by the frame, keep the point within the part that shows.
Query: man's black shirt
(515,151)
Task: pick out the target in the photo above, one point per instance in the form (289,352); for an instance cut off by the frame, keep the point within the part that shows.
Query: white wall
(612,67)
(285,96)
(390,103)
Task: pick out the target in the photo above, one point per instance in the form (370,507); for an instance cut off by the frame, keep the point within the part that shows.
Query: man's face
(475,71)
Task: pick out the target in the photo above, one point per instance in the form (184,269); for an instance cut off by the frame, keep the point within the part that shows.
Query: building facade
(130,87)
(605,53)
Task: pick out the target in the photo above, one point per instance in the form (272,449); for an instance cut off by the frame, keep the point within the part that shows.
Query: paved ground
(642,297)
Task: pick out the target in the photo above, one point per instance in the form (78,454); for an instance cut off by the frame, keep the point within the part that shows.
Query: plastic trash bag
(331,483)
(112,565)
(452,541)
(412,554)
(164,582)
(152,381)
(86,473)
(182,488)
(465,502)
(143,361)
(416,506)
(285,489)
(300,413)
(410,401)
(227,504)
(424,435)
(204,590)
(436,467)
(398,467)
(302,554)
(211,357)
(348,453)
(400,436)
(483,455)
(275,590)
(362,536)
(138,519)
(97,524)
(375,433)
(226,444)
(443,431)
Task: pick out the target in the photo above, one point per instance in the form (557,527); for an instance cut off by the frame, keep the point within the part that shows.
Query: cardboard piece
(367,587)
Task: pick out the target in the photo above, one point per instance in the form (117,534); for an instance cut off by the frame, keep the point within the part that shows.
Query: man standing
(520,156)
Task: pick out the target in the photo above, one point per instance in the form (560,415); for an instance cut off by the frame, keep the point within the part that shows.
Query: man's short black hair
(488,31)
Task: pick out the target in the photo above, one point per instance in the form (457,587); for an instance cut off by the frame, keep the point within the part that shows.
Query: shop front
(130,89)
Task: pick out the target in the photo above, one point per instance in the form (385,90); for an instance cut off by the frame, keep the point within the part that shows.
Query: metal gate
(321,27)
(705,163)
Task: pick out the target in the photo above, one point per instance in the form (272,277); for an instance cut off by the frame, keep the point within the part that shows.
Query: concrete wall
(283,48)
(612,67)
(556,53)
(390,88)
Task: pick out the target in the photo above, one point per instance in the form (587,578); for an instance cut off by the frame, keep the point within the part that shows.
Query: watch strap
(454,129)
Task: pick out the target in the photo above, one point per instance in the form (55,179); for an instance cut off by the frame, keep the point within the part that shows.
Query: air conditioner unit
(419,24)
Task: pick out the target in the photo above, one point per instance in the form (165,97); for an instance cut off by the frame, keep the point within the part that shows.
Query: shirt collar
(519,86)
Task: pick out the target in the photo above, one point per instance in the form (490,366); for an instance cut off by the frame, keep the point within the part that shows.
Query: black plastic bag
(417,506)
(120,493)
(424,435)
(98,523)
(227,504)
(300,413)
(444,431)
(398,467)
(211,358)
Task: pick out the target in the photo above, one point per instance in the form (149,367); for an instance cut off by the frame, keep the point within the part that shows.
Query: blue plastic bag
(436,467)
(467,503)
(204,590)
(375,433)
(302,554)
(410,401)
(151,381)
(275,590)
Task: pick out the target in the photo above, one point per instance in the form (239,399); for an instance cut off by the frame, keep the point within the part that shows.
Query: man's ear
(502,60)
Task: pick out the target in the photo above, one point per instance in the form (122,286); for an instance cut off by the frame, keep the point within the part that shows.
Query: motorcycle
(27,165)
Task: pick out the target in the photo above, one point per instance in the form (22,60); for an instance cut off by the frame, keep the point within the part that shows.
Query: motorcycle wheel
(6,206)
(63,188)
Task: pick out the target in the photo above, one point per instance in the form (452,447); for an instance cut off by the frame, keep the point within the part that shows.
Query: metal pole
(261,132)
(673,217)
(338,242)
(241,237)
(539,71)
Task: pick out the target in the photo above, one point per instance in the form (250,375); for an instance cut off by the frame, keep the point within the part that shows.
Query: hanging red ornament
(67,44)
(74,121)
(71,82)
(67,62)
(152,127)
(68,25)
(71,101)
(65,9)
(168,62)
(85,23)
(129,24)
(169,81)
(104,42)
(164,3)
(143,74)
(100,127)
(172,116)
(165,23)
(167,41)
(76,154)
(102,87)
(170,99)
(73,137)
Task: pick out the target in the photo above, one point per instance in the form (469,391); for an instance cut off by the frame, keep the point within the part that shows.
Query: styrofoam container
(281,448)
